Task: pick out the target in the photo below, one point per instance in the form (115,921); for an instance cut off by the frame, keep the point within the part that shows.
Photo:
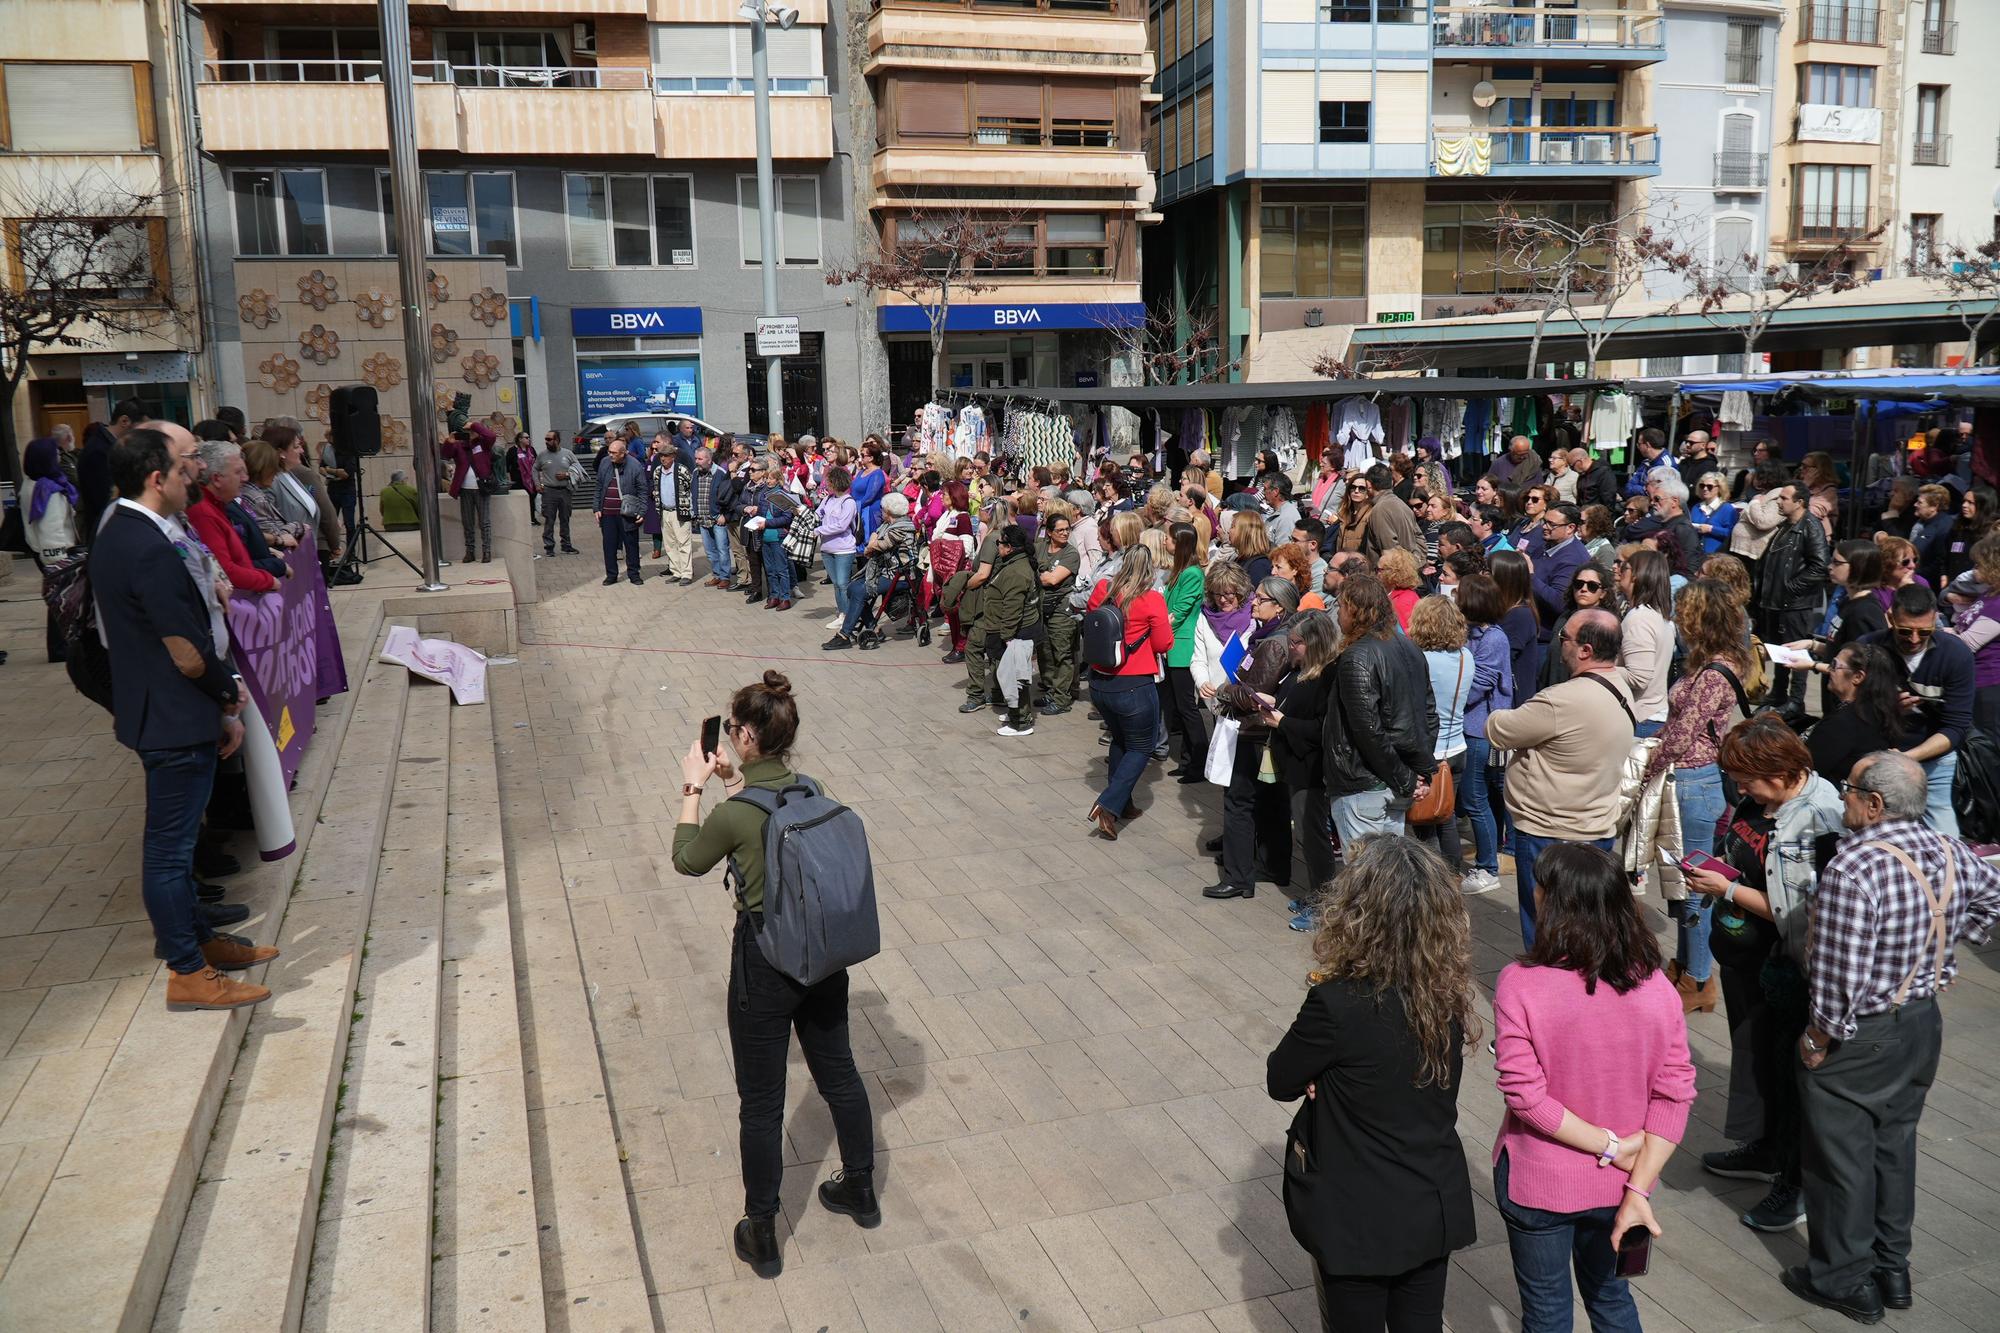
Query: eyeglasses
(1855,789)
(1918,634)
(1593,586)
(1260,597)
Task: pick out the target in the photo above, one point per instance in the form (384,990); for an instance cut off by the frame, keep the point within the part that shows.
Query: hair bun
(777,683)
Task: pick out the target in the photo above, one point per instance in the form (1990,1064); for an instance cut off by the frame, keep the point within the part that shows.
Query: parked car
(591,438)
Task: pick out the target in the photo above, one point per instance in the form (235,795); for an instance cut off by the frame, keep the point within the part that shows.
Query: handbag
(1222,751)
(801,540)
(1441,802)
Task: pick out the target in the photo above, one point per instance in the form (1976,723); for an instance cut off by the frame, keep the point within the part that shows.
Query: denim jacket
(1790,873)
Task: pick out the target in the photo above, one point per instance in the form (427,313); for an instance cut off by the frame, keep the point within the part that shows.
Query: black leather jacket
(1382,725)
(1794,567)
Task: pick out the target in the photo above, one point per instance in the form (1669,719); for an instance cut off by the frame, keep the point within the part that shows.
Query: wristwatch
(1812,1047)
(689,789)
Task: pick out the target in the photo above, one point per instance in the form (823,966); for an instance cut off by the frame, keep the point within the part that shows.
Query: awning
(1166,397)
(1911,388)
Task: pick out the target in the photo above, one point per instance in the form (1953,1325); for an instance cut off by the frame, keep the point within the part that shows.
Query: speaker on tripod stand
(354,419)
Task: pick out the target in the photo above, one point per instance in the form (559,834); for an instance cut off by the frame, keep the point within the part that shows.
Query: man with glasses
(1670,503)
(555,473)
(1697,457)
(1792,586)
(1280,514)
(1891,906)
(1937,693)
(1563,555)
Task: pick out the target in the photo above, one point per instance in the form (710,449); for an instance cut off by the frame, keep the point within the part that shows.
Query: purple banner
(285,644)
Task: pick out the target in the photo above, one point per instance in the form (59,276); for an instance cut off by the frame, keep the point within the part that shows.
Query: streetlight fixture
(758,16)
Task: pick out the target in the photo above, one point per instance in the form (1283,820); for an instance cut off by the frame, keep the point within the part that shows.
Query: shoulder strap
(1599,678)
(1936,927)
(1742,699)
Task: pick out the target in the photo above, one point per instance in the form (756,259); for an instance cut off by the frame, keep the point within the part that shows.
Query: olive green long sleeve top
(734,829)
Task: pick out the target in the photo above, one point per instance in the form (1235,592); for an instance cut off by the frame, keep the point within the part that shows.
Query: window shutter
(589,222)
(1290,114)
(1014,98)
(693,50)
(1736,133)
(1071,99)
(798,219)
(747,220)
(1402,107)
(792,55)
(1733,241)
(1345,85)
(72,108)
(931,105)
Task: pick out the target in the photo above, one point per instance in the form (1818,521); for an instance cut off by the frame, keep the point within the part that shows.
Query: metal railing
(1858,23)
(1564,146)
(426,71)
(690,85)
(1056,6)
(1930,150)
(1742,67)
(1742,171)
(1538,26)
(1941,39)
(1026,134)
(1831,223)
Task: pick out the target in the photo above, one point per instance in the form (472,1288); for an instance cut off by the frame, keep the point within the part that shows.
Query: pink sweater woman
(1593,1065)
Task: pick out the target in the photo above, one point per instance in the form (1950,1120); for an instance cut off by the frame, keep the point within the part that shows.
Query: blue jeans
(1473,801)
(777,570)
(861,595)
(1938,813)
(1527,850)
(177,787)
(1645,729)
(715,545)
(1130,707)
(1545,1246)
(1365,814)
(839,568)
(1698,792)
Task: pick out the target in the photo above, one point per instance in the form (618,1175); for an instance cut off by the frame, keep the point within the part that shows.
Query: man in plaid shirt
(1890,907)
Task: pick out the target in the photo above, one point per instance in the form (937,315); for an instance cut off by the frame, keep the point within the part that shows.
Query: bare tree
(84,260)
(938,256)
(1583,270)
(1174,343)
(1383,361)
(1739,293)
(1969,275)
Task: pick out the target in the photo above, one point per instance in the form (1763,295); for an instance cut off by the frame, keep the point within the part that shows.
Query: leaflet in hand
(1782,656)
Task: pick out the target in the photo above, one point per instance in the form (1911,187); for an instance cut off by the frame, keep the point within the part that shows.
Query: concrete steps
(244,1248)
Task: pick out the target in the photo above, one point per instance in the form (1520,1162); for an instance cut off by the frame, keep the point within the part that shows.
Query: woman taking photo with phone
(1593,1066)
(1375,1181)
(765,1006)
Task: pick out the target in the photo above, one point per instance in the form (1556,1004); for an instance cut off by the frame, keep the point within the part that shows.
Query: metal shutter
(931,104)
(693,51)
(72,109)
(793,54)
(1015,98)
(1071,99)
(1290,114)
(1402,107)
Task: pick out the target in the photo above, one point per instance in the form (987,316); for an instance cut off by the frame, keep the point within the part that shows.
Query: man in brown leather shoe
(174,699)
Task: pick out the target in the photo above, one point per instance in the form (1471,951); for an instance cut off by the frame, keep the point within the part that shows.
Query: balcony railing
(1013,134)
(1830,224)
(688,86)
(1856,24)
(1055,6)
(1931,150)
(425,71)
(1742,171)
(1543,27)
(1941,39)
(1740,67)
(1561,145)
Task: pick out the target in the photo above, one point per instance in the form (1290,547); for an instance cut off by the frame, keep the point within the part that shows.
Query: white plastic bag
(1222,751)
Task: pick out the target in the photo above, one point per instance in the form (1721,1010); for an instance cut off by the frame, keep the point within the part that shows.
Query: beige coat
(1757,521)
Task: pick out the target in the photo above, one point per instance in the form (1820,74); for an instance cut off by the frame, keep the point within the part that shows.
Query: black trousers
(1186,701)
(1444,836)
(618,533)
(1749,1015)
(555,510)
(1787,685)
(1861,1110)
(1256,821)
(1312,820)
(1411,1302)
(765,1008)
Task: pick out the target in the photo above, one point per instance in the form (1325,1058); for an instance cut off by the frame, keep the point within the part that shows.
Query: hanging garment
(1612,418)
(1318,432)
(1465,154)
(1736,412)
(1479,421)
(1357,430)
(1281,435)
(1396,421)
(968,435)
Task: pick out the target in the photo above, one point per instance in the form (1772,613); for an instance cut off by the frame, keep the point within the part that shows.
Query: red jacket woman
(1126,699)
(219,536)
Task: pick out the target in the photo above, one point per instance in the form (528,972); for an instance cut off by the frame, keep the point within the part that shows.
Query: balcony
(1940,39)
(1930,150)
(1087,7)
(1833,224)
(1545,150)
(1048,36)
(1742,171)
(725,128)
(1547,31)
(1856,24)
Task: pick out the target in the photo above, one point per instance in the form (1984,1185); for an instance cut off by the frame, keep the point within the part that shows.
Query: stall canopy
(1912,388)
(1143,397)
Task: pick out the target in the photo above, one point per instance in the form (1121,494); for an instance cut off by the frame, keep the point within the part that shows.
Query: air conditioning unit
(1558,150)
(1594,148)
(583,40)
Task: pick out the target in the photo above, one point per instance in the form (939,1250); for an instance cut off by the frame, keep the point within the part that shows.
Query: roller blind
(931,104)
(1290,114)
(1073,100)
(1019,98)
(692,50)
(1345,85)
(72,108)
(793,54)
(1402,107)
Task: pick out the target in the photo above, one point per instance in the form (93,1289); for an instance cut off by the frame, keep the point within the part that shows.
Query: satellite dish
(1484,94)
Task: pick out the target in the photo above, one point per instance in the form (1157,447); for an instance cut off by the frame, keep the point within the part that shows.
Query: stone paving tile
(1063,1042)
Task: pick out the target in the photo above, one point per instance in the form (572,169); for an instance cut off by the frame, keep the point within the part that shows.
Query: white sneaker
(835,623)
(1479,881)
(1011,730)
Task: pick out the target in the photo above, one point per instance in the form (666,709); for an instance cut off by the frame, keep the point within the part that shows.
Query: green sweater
(1184,610)
(399,507)
(734,829)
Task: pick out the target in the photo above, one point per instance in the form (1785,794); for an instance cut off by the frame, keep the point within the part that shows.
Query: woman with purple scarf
(51,519)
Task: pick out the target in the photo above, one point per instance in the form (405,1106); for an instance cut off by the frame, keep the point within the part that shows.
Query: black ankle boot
(757,1245)
(853,1195)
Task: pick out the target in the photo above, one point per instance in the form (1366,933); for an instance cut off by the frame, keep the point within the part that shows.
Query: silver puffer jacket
(1651,839)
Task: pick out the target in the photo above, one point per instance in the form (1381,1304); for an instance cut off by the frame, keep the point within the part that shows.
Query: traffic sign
(778,335)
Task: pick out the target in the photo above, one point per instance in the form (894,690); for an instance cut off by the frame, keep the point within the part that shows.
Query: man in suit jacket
(1561,557)
(93,465)
(173,699)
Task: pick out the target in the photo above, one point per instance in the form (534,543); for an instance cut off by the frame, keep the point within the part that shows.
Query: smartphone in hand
(1703,861)
(1635,1253)
(711,736)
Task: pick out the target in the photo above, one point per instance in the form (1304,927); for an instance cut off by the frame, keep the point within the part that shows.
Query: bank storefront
(1005,345)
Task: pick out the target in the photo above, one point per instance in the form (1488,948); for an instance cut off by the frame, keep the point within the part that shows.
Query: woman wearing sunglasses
(1589,590)
(1712,516)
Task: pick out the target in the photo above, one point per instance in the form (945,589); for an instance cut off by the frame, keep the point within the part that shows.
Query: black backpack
(1975,790)
(1101,638)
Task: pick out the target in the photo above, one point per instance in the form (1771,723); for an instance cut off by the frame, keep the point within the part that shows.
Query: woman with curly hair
(1291,562)
(1598,523)
(1398,571)
(1377,1051)
(1899,568)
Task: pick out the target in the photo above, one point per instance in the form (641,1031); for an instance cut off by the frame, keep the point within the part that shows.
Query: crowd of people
(1361,660)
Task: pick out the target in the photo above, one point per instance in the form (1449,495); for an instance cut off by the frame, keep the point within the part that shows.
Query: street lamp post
(767,216)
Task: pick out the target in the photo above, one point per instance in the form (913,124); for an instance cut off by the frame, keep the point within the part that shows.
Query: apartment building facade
(91,104)
(1031,113)
(1339,162)
(590,174)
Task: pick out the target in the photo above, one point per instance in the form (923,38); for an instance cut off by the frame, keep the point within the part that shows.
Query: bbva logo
(637,319)
(1017,315)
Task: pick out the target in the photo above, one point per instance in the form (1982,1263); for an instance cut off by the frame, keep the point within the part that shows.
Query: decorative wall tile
(278,372)
(316,401)
(319,289)
(319,344)
(382,370)
(488,306)
(438,286)
(257,307)
(372,307)
(444,344)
